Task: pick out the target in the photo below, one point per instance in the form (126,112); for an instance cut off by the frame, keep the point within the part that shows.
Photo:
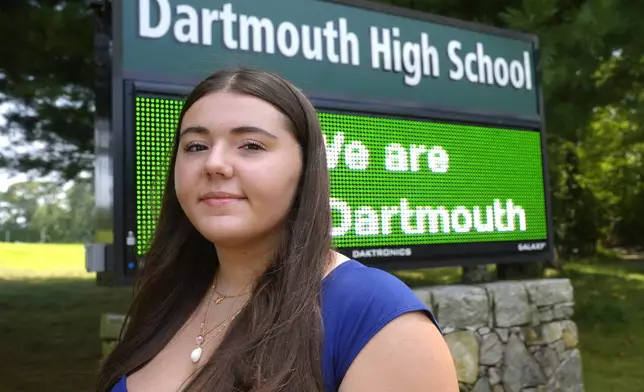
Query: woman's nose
(218,164)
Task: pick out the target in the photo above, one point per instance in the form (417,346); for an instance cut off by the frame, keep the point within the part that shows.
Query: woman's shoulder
(357,302)
(353,285)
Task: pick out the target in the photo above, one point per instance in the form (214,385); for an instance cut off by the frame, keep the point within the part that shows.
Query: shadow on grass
(609,313)
(608,297)
(49,332)
(429,276)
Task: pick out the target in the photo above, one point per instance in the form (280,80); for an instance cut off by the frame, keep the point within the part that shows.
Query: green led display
(155,123)
(394,182)
(402,182)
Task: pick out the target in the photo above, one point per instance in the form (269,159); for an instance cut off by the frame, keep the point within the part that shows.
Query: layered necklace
(205,337)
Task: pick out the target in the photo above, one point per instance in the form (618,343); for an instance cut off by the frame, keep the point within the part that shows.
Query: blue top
(357,301)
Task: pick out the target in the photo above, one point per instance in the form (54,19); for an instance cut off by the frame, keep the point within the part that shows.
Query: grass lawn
(50,307)
(22,261)
(610,316)
(49,318)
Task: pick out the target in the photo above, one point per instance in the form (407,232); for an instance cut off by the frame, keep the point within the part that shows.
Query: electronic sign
(399,187)
(434,127)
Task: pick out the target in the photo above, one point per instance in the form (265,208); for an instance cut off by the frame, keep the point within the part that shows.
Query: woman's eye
(195,147)
(252,146)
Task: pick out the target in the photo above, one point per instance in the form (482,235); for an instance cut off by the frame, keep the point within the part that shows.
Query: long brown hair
(275,343)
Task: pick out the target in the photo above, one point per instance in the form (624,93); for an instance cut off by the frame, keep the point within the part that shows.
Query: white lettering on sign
(381,252)
(356,155)
(370,221)
(398,158)
(250,32)
(391,49)
(415,59)
(478,67)
(531,247)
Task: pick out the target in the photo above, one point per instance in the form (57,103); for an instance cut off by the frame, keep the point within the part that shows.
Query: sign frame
(448,254)
(120,173)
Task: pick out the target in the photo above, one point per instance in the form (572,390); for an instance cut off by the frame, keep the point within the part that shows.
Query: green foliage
(609,317)
(47,212)
(612,164)
(46,74)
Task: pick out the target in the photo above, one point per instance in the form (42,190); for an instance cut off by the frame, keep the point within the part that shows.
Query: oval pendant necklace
(195,355)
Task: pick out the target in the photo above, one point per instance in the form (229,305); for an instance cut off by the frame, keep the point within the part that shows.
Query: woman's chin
(228,236)
(229,231)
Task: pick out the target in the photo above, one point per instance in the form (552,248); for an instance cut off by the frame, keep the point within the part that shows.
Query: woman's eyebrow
(200,130)
(194,129)
(252,129)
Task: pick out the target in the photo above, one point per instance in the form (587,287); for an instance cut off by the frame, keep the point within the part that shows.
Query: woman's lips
(218,198)
(220,201)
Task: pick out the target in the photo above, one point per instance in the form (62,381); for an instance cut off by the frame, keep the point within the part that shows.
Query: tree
(45,211)
(79,209)
(23,204)
(612,169)
(46,75)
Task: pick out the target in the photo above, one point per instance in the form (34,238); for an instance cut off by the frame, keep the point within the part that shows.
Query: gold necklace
(195,355)
(219,328)
(222,297)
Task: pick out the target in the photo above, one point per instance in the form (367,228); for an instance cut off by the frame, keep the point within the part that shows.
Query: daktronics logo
(531,247)
(380,252)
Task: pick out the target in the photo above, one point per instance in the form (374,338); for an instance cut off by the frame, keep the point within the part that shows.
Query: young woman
(240,290)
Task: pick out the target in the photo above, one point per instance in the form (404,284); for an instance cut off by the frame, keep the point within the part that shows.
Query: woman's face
(237,168)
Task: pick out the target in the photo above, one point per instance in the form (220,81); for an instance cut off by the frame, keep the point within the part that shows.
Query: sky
(5,179)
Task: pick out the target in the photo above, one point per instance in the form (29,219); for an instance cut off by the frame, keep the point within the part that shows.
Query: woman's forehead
(233,110)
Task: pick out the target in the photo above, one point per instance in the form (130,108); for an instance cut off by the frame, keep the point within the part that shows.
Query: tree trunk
(475,274)
(519,271)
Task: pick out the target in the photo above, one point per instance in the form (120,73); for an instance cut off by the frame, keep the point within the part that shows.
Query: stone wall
(510,336)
